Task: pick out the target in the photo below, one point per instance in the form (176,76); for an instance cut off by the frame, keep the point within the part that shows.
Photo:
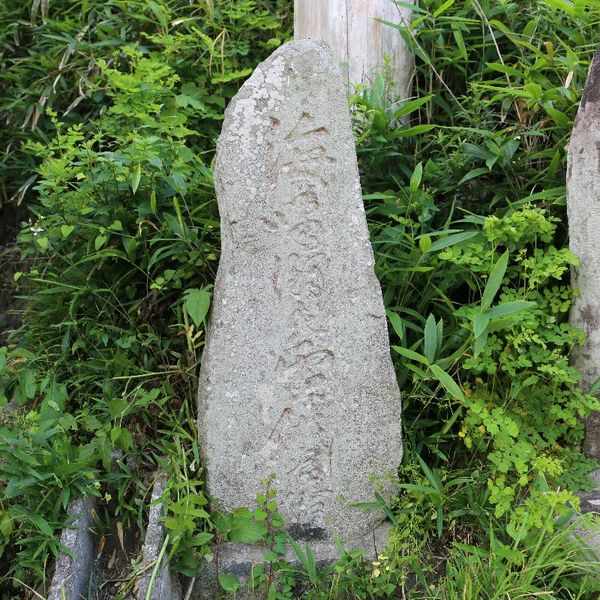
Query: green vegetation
(113,109)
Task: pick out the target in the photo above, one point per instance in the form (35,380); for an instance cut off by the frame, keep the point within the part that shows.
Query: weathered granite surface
(296,376)
(164,586)
(72,574)
(583,204)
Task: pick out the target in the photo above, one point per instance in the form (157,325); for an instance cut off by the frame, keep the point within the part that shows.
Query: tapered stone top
(296,376)
(583,203)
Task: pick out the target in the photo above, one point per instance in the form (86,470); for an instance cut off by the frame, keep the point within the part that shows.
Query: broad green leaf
(53,404)
(460,42)
(559,117)
(130,244)
(516,557)
(135,178)
(430,342)
(480,323)
(66,230)
(183,100)
(474,173)
(534,90)
(306,558)
(203,538)
(450,422)
(509,308)
(41,524)
(477,151)
(100,241)
(174,224)
(273,42)
(443,8)
(197,303)
(494,281)
(396,323)
(415,178)
(117,407)
(424,244)
(410,131)
(410,106)
(506,70)
(246,531)
(27,383)
(230,583)
(6,524)
(199,513)
(447,382)
(410,354)
(413,487)
(480,343)
(121,437)
(452,240)
(432,477)
(366,505)
(105,253)
(312,564)
(417,370)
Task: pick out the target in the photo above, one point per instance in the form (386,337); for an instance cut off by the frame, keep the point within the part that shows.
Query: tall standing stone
(359,39)
(583,203)
(296,376)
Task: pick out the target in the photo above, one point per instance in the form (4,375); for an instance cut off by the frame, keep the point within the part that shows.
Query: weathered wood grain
(358,40)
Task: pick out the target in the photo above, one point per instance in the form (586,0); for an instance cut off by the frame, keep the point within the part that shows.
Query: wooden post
(358,40)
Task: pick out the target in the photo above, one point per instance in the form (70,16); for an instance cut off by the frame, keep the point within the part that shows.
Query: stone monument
(583,204)
(296,376)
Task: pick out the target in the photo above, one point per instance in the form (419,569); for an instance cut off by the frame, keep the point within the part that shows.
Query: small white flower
(36,229)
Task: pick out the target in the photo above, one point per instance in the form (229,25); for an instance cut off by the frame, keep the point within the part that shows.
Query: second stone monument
(583,203)
(296,376)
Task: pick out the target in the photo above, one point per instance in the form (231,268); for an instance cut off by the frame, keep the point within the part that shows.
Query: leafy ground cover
(112,111)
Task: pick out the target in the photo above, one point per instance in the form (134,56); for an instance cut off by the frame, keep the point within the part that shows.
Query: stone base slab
(590,503)
(72,574)
(239,559)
